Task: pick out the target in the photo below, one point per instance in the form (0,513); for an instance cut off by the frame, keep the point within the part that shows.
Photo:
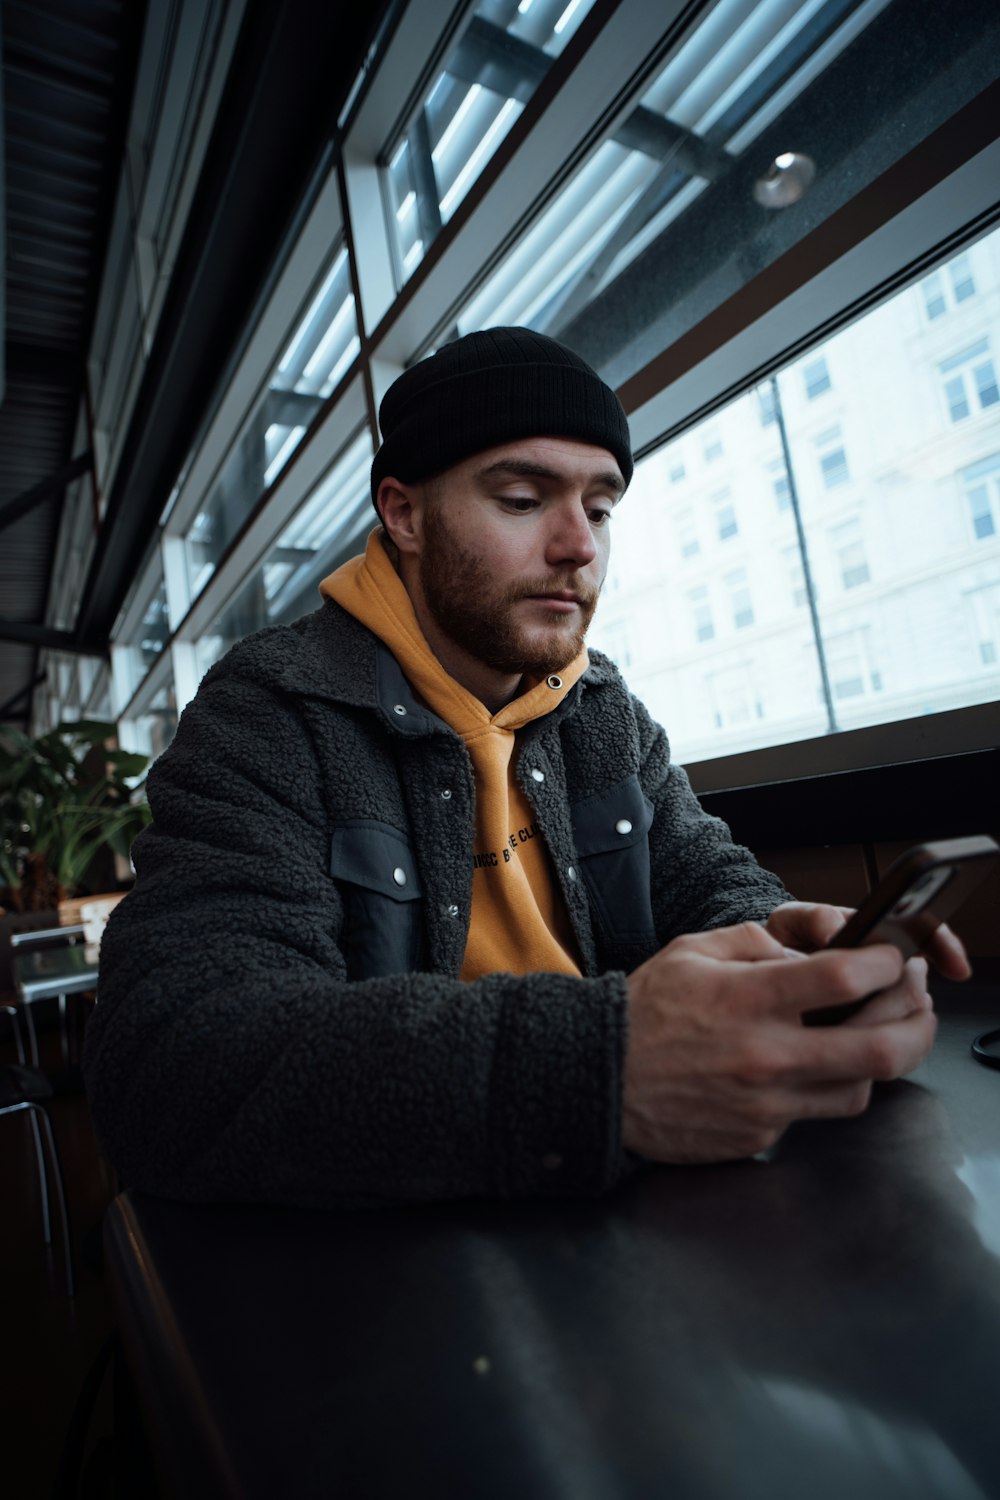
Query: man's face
(515,545)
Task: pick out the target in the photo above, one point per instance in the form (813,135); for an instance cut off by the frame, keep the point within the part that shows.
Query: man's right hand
(719,1063)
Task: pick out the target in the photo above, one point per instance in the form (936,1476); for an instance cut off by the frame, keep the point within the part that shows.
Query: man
(425,910)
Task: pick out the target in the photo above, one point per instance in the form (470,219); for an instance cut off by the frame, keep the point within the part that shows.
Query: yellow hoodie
(518,922)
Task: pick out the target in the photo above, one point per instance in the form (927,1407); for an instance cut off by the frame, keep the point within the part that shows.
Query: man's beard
(465,603)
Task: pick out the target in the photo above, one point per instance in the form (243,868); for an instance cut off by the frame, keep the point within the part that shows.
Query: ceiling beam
(56,483)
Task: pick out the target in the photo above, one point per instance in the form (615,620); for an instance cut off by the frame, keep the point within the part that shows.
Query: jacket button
(399,875)
(446,794)
(398,708)
(452,910)
(570,873)
(623,826)
(537,775)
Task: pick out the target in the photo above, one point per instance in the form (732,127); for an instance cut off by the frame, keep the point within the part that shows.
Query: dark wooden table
(822,1325)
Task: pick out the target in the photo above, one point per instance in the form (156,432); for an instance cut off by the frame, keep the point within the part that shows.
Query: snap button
(398,708)
(537,775)
(452,910)
(554,682)
(399,875)
(623,826)
(570,873)
(446,794)
(552,1161)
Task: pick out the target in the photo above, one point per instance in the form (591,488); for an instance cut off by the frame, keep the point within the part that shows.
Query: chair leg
(41,1123)
(32,1038)
(11,1012)
(43,1176)
(61,1195)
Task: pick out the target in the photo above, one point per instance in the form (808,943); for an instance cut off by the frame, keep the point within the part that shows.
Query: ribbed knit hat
(490,388)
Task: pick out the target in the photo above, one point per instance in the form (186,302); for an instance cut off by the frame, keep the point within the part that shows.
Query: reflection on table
(823,1324)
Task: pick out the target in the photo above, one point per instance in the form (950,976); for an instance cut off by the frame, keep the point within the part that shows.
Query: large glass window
(317,356)
(329,527)
(501,57)
(901,566)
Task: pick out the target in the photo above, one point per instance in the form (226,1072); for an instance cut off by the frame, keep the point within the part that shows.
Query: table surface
(823,1324)
(41,973)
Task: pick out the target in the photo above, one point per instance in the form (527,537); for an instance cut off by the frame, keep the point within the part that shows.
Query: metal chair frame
(41,1126)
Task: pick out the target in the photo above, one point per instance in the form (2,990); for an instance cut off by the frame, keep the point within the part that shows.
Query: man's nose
(571,537)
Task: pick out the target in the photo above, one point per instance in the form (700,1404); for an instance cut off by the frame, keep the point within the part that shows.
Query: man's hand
(718,1062)
(806,926)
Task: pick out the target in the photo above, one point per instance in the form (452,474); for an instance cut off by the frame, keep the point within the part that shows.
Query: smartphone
(918,892)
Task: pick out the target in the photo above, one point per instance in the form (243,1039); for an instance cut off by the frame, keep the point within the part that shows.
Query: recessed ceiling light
(786,180)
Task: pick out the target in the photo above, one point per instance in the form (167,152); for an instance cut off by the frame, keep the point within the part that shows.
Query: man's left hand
(805,927)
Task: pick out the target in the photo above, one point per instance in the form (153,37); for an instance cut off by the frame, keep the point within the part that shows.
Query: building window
(677,473)
(779,484)
(832,459)
(796,575)
(848,544)
(970,381)
(765,398)
(984,604)
(713,448)
(739,598)
(687,534)
(816,377)
(982,496)
(704,629)
(725,521)
(953,284)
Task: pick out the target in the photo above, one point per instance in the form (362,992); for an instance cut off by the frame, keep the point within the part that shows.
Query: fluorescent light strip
(459,187)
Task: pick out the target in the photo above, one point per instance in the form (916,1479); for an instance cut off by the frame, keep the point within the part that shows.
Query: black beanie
(490,388)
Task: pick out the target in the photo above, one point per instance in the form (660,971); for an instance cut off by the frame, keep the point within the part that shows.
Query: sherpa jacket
(280,1017)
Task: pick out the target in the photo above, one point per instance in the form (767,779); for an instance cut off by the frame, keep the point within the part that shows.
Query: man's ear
(401,508)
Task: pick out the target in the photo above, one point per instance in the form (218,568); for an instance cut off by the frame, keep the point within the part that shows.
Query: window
(779,484)
(704,629)
(326,529)
(500,59)
(687,533)
(816,377)
(725,520)
(848,544)
(970,382)
(982,495)
(316,357)
(951,285)
(713,448)
(677,473)
(795,574)
(739,597)
(983,605)
(832,459)
(765,396)
(850,667)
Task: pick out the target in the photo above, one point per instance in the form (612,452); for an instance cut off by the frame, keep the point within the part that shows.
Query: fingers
(806,925)
(748,942)
(901,1000)
(835,976)
(946,952)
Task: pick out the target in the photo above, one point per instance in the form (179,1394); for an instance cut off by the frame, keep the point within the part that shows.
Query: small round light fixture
(786,180)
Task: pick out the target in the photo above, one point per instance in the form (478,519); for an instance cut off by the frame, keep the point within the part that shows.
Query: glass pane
(499,60)
(328,528)
(669,216)
(318,355)
(902,560)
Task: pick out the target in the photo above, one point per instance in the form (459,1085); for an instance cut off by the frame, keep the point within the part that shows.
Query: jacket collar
(339,659)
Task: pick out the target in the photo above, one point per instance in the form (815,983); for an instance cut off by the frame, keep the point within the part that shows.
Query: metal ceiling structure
(68,74)
(69,71)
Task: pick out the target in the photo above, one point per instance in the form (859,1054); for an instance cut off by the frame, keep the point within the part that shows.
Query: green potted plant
(64,801)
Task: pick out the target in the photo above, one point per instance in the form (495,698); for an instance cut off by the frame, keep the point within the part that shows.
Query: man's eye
(519,502)
(600,517)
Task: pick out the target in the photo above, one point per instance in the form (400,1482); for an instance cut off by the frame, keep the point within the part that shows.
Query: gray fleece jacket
(279,1015)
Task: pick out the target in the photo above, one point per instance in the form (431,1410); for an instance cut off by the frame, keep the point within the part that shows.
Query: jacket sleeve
(228,1057)
(700,878)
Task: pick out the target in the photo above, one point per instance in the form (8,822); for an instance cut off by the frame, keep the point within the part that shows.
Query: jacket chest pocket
(374,867)
(611,831)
